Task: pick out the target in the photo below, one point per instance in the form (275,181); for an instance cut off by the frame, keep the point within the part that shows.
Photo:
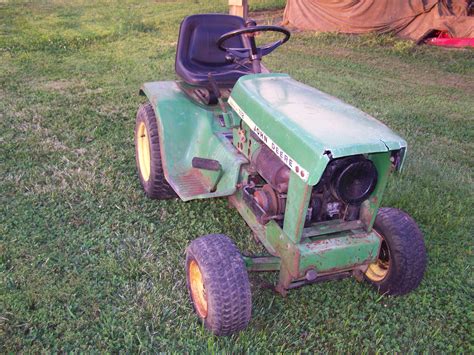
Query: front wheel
(218,284)
(401,262)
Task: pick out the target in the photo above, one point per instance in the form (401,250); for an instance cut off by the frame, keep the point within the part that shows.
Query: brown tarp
(412,19)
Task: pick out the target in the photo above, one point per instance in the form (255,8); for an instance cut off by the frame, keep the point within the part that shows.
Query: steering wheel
(254,52)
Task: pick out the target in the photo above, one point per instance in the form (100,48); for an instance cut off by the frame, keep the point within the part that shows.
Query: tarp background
(413,19)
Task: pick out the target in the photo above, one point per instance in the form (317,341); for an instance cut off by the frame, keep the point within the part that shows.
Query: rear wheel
(218,284)
(401,261)
(148,155)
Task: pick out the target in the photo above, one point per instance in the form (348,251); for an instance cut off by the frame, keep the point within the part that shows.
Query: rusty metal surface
(369,208)
(347,250)
(272,169)
(270,202)
(329,227)
(261,231)
(299,195)
(262,263)
(322,278)
(341,252)
(192,183)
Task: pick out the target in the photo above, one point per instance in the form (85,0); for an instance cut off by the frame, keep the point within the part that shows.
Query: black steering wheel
(254,52)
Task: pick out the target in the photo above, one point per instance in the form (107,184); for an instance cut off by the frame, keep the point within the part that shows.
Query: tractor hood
(305,126)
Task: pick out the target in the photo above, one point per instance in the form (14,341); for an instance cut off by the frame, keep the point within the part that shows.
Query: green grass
(88,263)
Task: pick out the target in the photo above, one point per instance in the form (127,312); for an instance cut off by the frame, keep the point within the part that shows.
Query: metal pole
(239,8)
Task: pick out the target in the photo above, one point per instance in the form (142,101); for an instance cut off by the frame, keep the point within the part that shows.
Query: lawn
(88,263)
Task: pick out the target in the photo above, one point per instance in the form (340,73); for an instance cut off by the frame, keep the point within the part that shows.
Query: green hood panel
(306,123)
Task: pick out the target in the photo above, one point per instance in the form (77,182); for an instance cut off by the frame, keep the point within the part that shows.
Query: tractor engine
(344,185)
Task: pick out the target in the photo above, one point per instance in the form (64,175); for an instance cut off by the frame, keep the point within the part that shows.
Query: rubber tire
(156,187)
(407,252)
(225,278)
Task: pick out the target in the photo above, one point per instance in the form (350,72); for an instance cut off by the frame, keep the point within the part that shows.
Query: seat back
(198,54)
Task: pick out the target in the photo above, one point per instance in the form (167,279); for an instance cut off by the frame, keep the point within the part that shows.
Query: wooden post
(239,8)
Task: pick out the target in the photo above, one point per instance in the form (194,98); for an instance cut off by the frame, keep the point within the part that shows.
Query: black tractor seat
(198,54)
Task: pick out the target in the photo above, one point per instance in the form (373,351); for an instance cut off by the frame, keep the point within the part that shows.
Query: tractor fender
(190,130)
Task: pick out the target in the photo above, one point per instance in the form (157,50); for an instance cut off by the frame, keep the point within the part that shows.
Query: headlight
(354,181)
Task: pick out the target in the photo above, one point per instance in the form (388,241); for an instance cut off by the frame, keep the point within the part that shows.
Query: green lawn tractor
(305,171)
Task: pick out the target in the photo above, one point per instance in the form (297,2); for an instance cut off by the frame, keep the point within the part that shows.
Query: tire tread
(156,187)
(226,281)
(407,251)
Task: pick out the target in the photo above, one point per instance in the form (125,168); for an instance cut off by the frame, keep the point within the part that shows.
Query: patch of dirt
(111,110)
(64,86)
(30,124)
(268,17)
(61,86)
(48,140)
(55,179)
(94,91)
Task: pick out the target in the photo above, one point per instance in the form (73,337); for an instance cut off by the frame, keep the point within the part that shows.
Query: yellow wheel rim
(378,270)
(143,151)
(198,291)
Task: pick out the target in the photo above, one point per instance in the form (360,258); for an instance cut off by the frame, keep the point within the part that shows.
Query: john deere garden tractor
(305,171)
